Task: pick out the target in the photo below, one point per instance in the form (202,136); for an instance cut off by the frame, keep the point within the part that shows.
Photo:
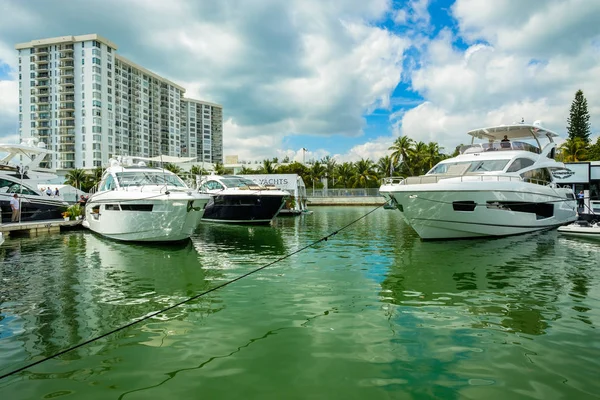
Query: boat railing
(424,179)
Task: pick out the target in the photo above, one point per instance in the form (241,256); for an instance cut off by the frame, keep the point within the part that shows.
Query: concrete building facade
(87,104)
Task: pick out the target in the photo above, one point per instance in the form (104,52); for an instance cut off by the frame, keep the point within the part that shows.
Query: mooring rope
(222,285)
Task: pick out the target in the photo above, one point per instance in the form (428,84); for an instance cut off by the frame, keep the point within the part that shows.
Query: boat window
(113,207)
(519,164)
(141,178)
(108,184)
(7,186)
(540,176)
(137,207)
(237,181)
(211,185)
(473,166)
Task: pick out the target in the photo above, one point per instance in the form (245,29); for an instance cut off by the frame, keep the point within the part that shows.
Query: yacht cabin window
(519,164)
(540,176)
(473,166)
(108,184)
(141,178)
(211,185)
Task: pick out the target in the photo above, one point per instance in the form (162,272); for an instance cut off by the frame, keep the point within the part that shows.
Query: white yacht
(22,177)
(236,199)
(139,203)
(507,185)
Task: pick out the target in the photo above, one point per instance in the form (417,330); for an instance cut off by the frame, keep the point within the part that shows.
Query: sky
(339,78)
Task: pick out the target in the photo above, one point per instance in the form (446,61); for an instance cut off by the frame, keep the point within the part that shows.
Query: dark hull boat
(238,200)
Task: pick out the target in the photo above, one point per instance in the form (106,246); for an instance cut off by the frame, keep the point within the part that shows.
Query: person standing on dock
(15,207)
(580,199)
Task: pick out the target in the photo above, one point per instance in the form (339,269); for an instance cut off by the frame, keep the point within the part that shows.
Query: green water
(373,313)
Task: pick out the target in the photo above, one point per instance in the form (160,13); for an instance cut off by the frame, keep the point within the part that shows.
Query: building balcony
(44,116)
(41,92)
(43,125)
(67,106)
(66,115)
(67,90)
(66,81)
(43,100)
(67,165)
(42,67)
(42,84)
(67,148)
(41,59)
(66,64)
(67,97)
(67,72)
(66,123)
(41,51)
(42,75)
(66,139)
(66,55)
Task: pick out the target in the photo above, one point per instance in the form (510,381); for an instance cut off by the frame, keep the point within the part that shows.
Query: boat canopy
(515,131)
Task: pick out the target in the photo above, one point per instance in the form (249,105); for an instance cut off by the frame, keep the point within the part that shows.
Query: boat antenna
(164,174)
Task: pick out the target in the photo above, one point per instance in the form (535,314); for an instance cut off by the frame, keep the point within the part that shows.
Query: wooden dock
(34,228)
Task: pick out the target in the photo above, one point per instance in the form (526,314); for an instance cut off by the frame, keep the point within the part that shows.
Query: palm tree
(246,171)
(344,173)
(220,169)
(402,148)
(94,178)
(329,163)
(432,154)
(418,158)
(267,167)
(173,168)
(385,166)
(316,172)
(573,149)
(76,177)
(365,172)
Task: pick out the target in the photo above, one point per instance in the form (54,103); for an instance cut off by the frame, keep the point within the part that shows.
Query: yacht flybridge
(506,184)
(139,203)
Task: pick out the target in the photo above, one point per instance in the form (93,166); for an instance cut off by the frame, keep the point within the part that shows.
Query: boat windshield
(141,178)
(460,168)
(238,182)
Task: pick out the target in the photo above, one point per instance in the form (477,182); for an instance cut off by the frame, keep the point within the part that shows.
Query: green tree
(594,151)
(76,177)
(365,172)
(433,155)
(329,163)
(573,149)
(401,150)
(173,168)
(267,167)
(385,166)
(316,172)
(579,119)
(246,171)
(220,169)
(344,173)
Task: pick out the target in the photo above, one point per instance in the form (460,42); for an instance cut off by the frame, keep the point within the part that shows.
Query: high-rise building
(202,130)
(87,104)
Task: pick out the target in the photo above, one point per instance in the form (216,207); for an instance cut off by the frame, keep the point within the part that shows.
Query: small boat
(238,200)
(139,203)
(583,229)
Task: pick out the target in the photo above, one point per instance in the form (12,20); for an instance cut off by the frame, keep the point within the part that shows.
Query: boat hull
(150,218)
(243,208)
(588,232)
(480,209)
(33,208)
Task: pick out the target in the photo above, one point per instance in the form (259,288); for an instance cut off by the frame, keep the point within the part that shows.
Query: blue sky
(343,79)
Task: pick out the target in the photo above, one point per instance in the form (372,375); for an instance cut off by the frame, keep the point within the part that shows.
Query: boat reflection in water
(501,284)
(100,285)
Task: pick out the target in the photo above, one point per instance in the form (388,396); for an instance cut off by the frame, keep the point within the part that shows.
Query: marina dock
(34,228)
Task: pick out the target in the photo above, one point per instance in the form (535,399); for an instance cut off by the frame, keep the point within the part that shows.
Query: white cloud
(504,80)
